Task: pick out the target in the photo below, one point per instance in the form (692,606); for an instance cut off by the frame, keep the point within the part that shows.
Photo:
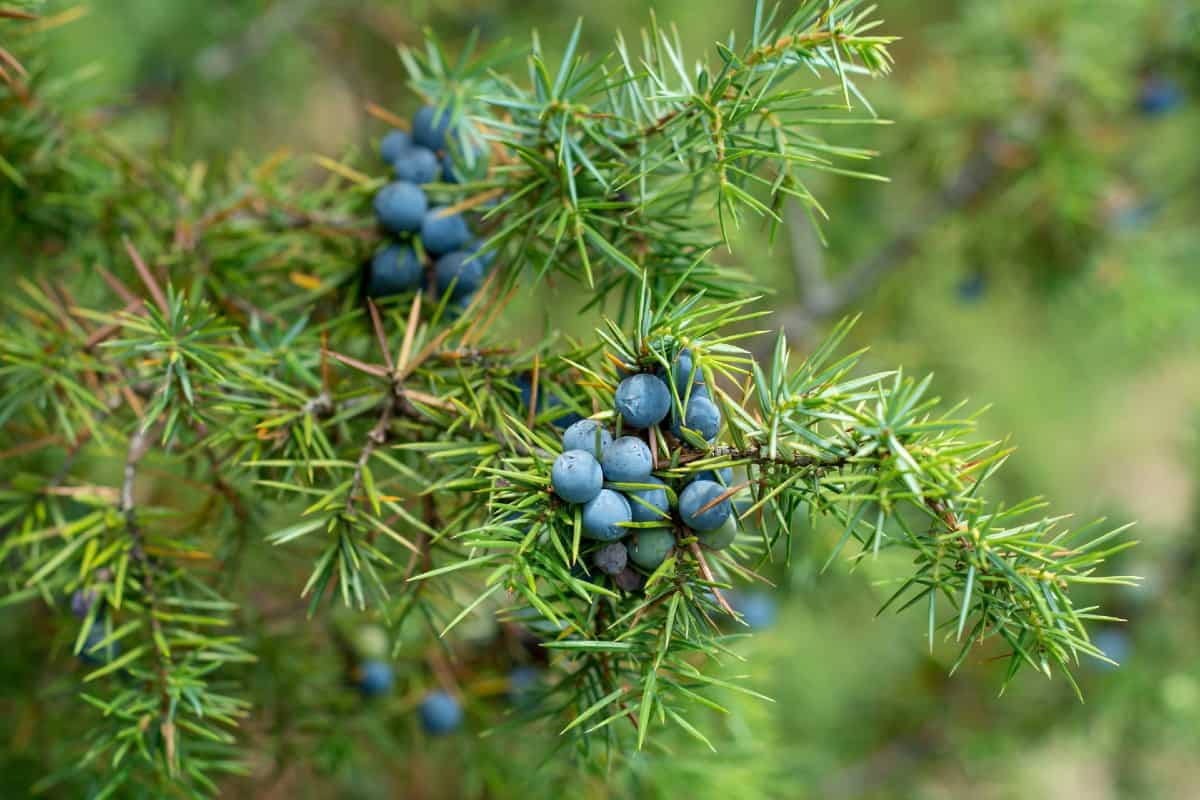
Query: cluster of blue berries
(633,515)
(427,236)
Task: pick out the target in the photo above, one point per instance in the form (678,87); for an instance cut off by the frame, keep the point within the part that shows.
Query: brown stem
(139,445)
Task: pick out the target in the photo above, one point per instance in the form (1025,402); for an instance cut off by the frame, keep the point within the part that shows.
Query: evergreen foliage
(329,389)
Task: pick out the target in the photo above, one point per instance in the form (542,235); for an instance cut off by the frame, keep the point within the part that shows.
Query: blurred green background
(1036,248)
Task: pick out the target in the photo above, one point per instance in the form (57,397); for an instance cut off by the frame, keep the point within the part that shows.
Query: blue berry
(643,400)
(443,233)
(972,287)
(1114,643)
(547,401)
(611,558)
(375,678)
(758,609)
(1158,95)
(393,144)
(89,654)
(523,682)
(581,573)
(627,460)
(589,435)
(649,547)
(430,126)
(82,601)
(485,258)
(394,269)
(602,517)
(401,207)
(462,270)
(577,477)
(440,713)
(629,580)
(723,476)
(720,538)
(702,416)
(653,501)
(416,165)
(563,421)
(681,372)
(450,172)
(695,496)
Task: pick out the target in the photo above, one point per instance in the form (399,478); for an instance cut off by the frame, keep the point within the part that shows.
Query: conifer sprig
(198,377)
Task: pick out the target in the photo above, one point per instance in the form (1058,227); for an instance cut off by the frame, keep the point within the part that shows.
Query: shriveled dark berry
(629,580)
(611,558)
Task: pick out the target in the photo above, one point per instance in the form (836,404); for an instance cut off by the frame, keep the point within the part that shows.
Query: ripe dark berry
(972,288)
(393,144)
(394,269)
(629,580)
(643,400)
(723,476)
(702,416)
(611,558)
(401,207)
(450,172)
(627,460)
(649,505)
(562,421)
(440,713)
(758,609)
(443,233)
(1158,95)
(82,601)
(430,126)
(577,477)
(375,678)
(682,372)
(694,497)
(417,165)
(604,515)
(649,547)
(485,257)
(91,654)
(720,538)
(580,573)
(589,435)
(460,269)
(523,682)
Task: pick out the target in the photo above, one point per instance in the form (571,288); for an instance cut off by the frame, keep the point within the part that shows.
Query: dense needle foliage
(211,331)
